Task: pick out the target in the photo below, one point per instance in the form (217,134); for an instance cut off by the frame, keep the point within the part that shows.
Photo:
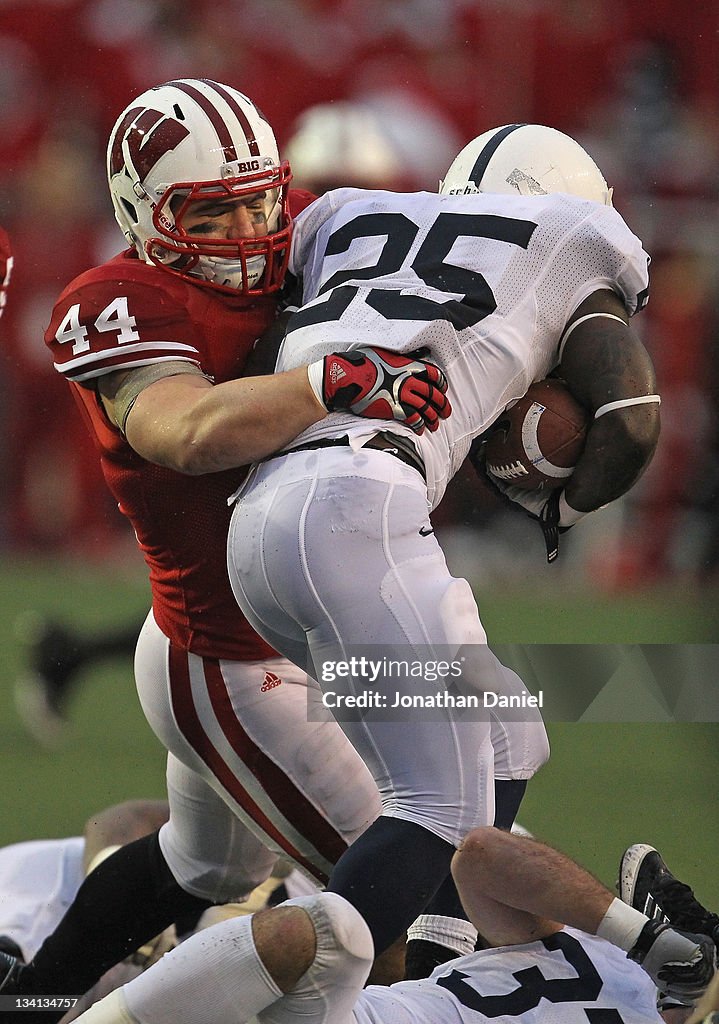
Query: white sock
(452,932)
(621,925)
(216,975)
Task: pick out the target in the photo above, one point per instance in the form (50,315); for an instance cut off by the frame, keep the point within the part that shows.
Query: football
(536,443)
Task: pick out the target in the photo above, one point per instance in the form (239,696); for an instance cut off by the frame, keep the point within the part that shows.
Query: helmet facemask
(253,265)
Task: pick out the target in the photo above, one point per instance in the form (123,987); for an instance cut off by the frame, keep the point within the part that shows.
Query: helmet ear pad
(206,140)
(526,159)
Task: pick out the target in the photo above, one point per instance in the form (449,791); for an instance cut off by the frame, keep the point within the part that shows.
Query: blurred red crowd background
(409,82)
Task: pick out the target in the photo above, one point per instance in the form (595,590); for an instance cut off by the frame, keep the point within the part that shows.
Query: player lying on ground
(39,878)
(557,942)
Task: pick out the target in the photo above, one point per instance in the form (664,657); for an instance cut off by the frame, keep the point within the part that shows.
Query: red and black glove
(382,385)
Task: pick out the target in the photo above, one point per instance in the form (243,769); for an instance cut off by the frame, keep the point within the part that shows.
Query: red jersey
(125,314)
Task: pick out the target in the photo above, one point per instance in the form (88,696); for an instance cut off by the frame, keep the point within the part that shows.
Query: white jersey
(485,282)
(38,882)
(568,978)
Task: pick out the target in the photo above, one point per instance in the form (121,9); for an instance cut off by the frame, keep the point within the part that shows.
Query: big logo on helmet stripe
(149,136)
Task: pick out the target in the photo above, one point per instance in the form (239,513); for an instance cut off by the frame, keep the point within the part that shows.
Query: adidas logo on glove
(336,372)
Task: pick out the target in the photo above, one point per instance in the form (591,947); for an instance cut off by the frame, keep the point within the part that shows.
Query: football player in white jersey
(558,947)
(520,267)
(40,878)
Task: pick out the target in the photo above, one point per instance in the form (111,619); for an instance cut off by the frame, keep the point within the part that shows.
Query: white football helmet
(527,160)
(195,139)
(342,143)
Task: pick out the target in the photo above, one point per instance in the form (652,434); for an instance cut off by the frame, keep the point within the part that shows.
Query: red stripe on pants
(192,729)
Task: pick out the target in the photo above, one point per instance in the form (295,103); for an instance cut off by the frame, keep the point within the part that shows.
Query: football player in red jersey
(153,343)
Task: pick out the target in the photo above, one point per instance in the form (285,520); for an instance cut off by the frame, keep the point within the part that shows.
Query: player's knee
(478,848)
(542,749)
(286,944)
(339,928)
(223,883)
(460,616)
(315,948)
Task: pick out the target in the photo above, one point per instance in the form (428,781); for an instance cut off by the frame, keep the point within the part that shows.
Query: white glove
(680,964)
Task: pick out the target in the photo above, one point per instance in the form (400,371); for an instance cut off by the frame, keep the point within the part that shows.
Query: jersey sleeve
(101,325)
(604,253)
(308,225)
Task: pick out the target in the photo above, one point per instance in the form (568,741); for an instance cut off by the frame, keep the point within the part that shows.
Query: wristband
(568,516)
(621,925)
(315,375)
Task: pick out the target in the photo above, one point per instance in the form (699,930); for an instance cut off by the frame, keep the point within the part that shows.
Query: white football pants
(249,773)
(331,555)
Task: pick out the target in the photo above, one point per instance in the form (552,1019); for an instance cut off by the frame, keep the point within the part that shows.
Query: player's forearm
(619,447)
(607,368)
(229,425)
(245,420)
(527,876)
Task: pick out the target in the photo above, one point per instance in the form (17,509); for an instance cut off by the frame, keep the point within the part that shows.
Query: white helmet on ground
(528,160)
(189,140)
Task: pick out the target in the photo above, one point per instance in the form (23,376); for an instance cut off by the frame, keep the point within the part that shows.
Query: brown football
(536,444)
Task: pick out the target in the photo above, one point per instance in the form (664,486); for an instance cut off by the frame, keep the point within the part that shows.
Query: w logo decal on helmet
(144,145)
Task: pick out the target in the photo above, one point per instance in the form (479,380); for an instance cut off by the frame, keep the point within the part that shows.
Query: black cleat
(11,970)
(16,980)
(647,884)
